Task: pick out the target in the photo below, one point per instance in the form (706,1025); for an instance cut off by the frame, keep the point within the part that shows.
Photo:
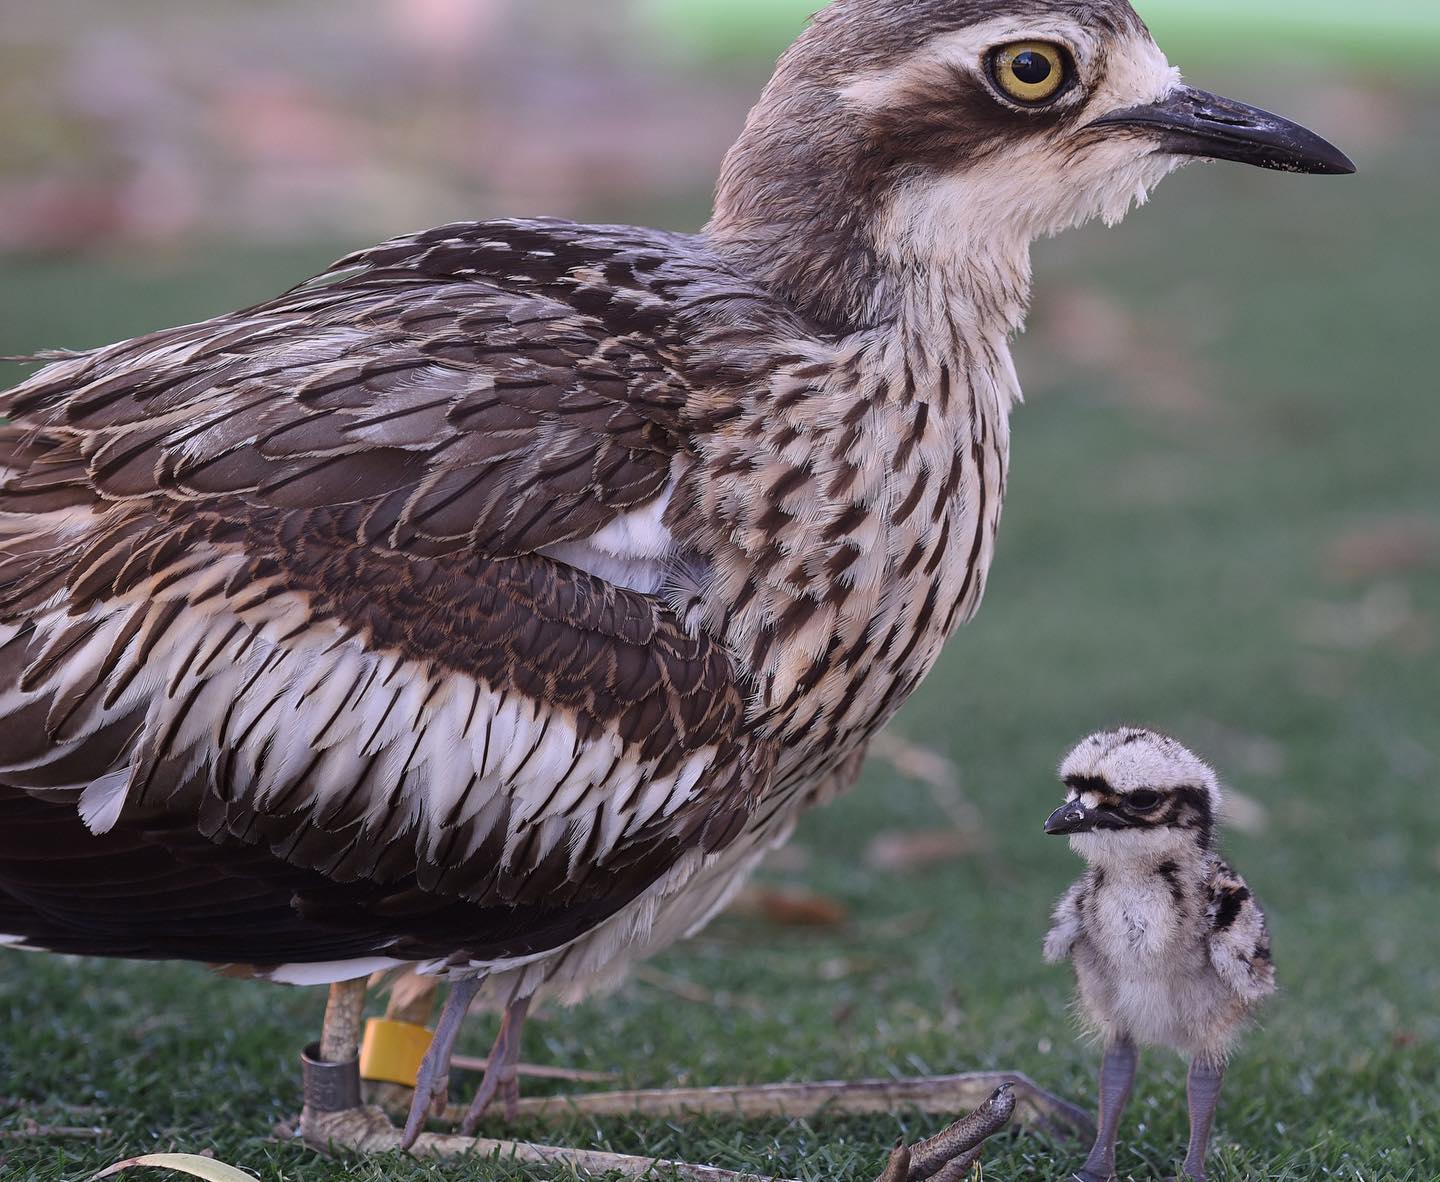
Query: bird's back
(288,672)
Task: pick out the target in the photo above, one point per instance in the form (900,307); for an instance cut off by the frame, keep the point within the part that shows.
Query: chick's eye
(1142,801)
(1030,72)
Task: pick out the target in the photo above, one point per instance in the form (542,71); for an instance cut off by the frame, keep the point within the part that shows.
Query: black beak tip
(1196,123)
(1336,163)
(1068,818)
(1310,154)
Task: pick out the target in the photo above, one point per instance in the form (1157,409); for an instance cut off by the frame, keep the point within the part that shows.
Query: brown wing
(268,584)
(471,387)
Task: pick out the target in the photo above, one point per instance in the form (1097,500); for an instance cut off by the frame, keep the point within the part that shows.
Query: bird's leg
(331,1066)
(1117,1075)
(432,1088)
(501,1078)
(1203,1090)
(344,1009)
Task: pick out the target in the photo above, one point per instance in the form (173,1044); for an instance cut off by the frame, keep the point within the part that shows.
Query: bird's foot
(950,1155)
(432,1086)
(502,1078)
(432,1094)
(501,1082)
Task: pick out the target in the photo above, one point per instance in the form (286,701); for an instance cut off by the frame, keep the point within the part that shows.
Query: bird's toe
(498,1084)
(430,1098)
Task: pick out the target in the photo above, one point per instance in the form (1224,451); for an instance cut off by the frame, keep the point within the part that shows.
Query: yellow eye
(1030,72)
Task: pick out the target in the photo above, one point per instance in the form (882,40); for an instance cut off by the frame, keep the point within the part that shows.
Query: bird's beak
(1193,123)
(1072,817)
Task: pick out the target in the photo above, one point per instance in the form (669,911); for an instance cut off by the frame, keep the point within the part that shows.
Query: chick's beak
(1194,123)
(1072,817)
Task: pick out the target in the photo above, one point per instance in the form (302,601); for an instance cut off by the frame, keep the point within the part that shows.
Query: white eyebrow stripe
(966,49)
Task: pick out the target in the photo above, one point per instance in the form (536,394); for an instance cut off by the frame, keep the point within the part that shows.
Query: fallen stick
(369,1130)
(536,1071)
(941,1095)
(31,1131)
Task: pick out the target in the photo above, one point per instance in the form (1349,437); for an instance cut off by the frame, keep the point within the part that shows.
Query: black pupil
(1143,800)
(1031,68)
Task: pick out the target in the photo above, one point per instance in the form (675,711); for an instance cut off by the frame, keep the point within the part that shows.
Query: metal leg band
(329,1087)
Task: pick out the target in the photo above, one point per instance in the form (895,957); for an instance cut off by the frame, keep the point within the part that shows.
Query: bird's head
(1134,794)
(902,136)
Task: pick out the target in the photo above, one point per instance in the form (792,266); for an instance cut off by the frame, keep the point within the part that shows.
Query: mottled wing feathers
(271,611)
(494,388)
(1239,937)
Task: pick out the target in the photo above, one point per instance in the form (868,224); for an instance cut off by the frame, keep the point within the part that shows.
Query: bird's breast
(850,528)
(1137,926)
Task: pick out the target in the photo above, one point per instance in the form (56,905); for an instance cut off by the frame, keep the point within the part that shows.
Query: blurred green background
(1224,521)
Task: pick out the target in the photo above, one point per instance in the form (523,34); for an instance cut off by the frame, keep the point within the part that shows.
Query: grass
(1161,561)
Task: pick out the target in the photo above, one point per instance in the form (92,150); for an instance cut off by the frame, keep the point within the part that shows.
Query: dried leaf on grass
(898,852)
(1386,547)
(1148,361)
(205,1168)
(1384,615)
(1243,813)
(937,772)
(915,761)
(791,908)
(901,851)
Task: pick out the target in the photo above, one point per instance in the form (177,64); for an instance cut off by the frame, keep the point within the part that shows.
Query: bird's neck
(1123,857)
(926,272)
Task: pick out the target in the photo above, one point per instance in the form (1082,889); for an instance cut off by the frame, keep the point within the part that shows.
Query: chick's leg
(1203,1088)
(1117,1075)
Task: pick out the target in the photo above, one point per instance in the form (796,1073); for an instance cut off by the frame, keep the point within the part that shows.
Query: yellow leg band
(392,1051)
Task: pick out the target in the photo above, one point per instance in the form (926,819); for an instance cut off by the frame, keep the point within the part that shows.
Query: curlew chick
(1170,947)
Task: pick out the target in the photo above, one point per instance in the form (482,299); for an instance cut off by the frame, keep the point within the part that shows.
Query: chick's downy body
(1169,946)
